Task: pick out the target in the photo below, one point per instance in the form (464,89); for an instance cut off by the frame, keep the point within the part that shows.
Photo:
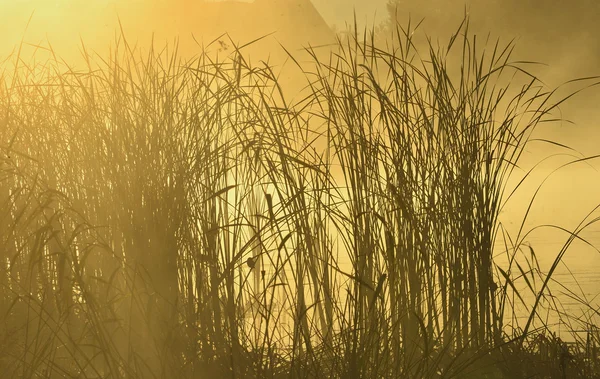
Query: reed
(169,218)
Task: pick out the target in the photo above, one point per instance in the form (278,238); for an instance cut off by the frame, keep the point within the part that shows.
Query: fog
(561,40)
(561,36)
(222,214)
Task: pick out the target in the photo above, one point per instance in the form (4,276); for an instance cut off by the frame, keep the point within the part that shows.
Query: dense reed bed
(170,218)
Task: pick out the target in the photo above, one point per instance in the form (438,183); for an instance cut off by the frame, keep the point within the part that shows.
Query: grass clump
(173,218)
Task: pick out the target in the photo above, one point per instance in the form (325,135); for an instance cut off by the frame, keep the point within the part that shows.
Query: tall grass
(169,218)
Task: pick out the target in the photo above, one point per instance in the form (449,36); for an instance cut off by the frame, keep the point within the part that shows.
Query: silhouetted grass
(164,218)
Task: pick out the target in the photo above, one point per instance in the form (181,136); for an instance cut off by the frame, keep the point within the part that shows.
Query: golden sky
(562,34)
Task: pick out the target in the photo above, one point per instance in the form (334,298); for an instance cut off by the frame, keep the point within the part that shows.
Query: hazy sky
(337,12)
(562,33)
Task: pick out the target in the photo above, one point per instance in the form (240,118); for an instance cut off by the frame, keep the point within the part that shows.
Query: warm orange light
(66,24)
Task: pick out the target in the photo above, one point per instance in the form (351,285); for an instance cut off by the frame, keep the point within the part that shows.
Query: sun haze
(299,189)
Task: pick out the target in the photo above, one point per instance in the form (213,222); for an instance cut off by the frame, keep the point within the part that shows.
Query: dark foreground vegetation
(162,218)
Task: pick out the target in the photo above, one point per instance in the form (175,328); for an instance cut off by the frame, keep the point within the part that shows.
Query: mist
(299,189)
